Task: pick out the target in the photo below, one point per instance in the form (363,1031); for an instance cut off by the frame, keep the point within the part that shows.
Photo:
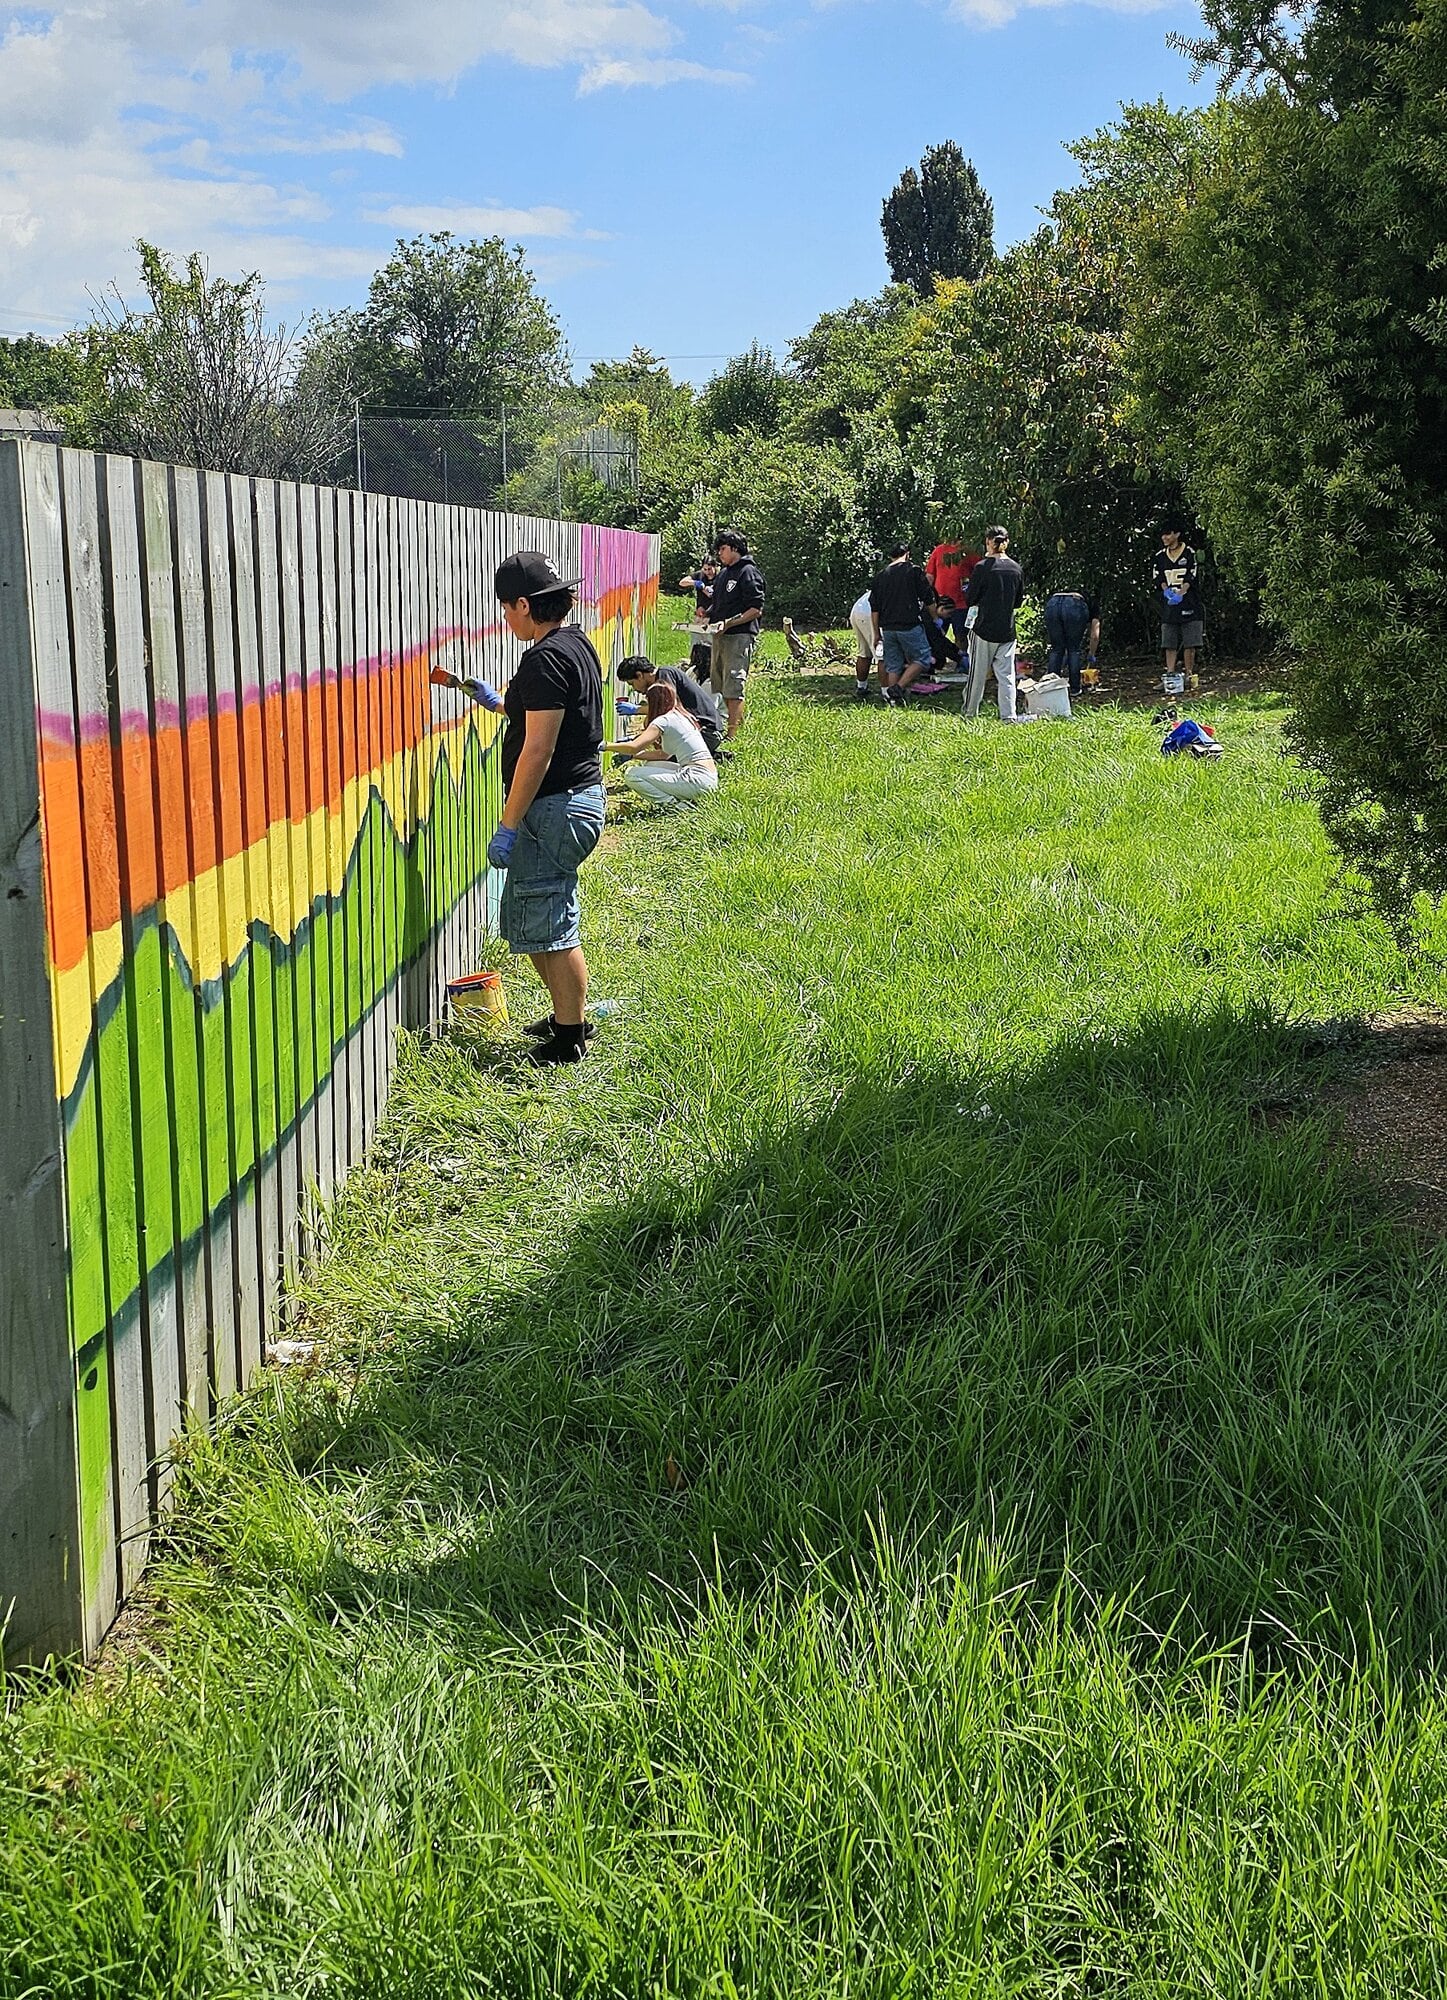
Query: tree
(938,222)
(1287,337)
(38,374)
(746,395)
(455,328)
(640,377)
(199,378)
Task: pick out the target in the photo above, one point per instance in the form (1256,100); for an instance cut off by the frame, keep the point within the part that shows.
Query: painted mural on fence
(261,857)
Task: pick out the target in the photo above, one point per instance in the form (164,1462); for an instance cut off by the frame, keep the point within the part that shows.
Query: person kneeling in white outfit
(668,762)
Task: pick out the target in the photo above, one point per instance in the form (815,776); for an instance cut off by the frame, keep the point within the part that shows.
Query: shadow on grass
(1120,1310)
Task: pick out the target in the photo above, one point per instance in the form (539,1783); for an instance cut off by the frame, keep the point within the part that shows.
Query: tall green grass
(917,1470)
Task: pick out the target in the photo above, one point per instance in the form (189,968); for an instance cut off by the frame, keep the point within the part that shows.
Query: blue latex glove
(630,708)
(489,697)
(500,847)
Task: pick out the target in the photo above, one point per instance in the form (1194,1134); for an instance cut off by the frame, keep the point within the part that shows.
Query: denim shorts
(904,649)
(540,909)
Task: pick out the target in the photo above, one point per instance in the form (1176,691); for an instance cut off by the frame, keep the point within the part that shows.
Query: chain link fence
(468,461)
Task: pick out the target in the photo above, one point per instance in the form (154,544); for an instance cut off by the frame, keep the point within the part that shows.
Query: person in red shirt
(949,569)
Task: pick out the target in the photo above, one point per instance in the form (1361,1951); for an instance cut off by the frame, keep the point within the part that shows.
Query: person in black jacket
(738,603)
(996,592)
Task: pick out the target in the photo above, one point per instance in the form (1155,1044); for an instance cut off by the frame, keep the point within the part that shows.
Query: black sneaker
(564,1045)
(542,1031)
(861,690)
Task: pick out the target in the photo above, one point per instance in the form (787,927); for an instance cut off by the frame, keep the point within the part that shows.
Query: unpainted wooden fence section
(242,842)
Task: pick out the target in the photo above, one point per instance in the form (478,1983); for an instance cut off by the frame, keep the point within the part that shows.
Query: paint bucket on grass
(478,1001)
(1173,683)
(1048,696)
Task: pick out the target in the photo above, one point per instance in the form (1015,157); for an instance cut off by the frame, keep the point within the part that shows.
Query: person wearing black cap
(738,602)
(552,777)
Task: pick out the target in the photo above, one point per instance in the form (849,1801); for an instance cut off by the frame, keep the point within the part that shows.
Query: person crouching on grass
(668,762)
(552,778)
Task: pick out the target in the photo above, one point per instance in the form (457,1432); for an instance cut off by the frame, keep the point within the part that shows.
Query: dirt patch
(1393,1109)
(1126,681)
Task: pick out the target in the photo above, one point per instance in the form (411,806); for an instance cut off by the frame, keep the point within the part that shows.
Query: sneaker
(542,1031)
(565,1045)
(861,690)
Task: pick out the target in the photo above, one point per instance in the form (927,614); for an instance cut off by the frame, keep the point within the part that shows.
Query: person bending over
(866,650)
(1072,618)
(552,779)
(639,673)
(668,763)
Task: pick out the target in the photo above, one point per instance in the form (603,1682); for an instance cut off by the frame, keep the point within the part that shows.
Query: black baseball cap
(529,574)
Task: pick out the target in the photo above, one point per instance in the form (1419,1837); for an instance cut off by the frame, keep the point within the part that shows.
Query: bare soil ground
(1393,1107)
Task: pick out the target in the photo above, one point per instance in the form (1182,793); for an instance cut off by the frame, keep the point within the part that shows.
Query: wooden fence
(242,842)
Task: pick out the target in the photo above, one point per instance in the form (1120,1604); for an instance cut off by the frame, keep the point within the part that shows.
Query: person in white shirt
(866,651)
(668,763)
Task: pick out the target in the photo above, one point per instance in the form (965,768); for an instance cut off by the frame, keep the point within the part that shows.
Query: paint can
(1173,683)
(479,1001)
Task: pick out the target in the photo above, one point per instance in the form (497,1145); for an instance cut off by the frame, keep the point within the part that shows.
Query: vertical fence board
(259,963)
(136,753)
(176,943)
(81,486)
(211,1162)
(40,1501)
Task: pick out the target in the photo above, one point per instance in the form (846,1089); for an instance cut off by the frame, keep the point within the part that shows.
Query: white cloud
(653,70)
(172,119)
(466,220)
(999,13)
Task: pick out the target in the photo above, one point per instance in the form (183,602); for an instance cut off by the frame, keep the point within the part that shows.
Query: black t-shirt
(898,595)
(703,598)
(998,587)
(739,587)
(560,671)
(691,695)
(1178,574)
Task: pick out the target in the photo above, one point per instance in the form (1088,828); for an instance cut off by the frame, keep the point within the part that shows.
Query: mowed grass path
(895,1478)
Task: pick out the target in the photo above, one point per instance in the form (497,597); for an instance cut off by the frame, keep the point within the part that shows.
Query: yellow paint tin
(479,1001)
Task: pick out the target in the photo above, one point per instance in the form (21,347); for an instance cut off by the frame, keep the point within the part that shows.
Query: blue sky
(686,174)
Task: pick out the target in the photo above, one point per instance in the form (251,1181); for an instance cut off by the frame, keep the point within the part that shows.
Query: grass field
(897,1477)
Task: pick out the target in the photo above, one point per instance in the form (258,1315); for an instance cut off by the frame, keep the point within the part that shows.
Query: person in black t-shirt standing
(1178,592)
(897,598)
(996,592)
(552,777)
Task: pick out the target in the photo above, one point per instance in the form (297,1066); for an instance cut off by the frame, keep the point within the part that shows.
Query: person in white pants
(668,762)
(866,651)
